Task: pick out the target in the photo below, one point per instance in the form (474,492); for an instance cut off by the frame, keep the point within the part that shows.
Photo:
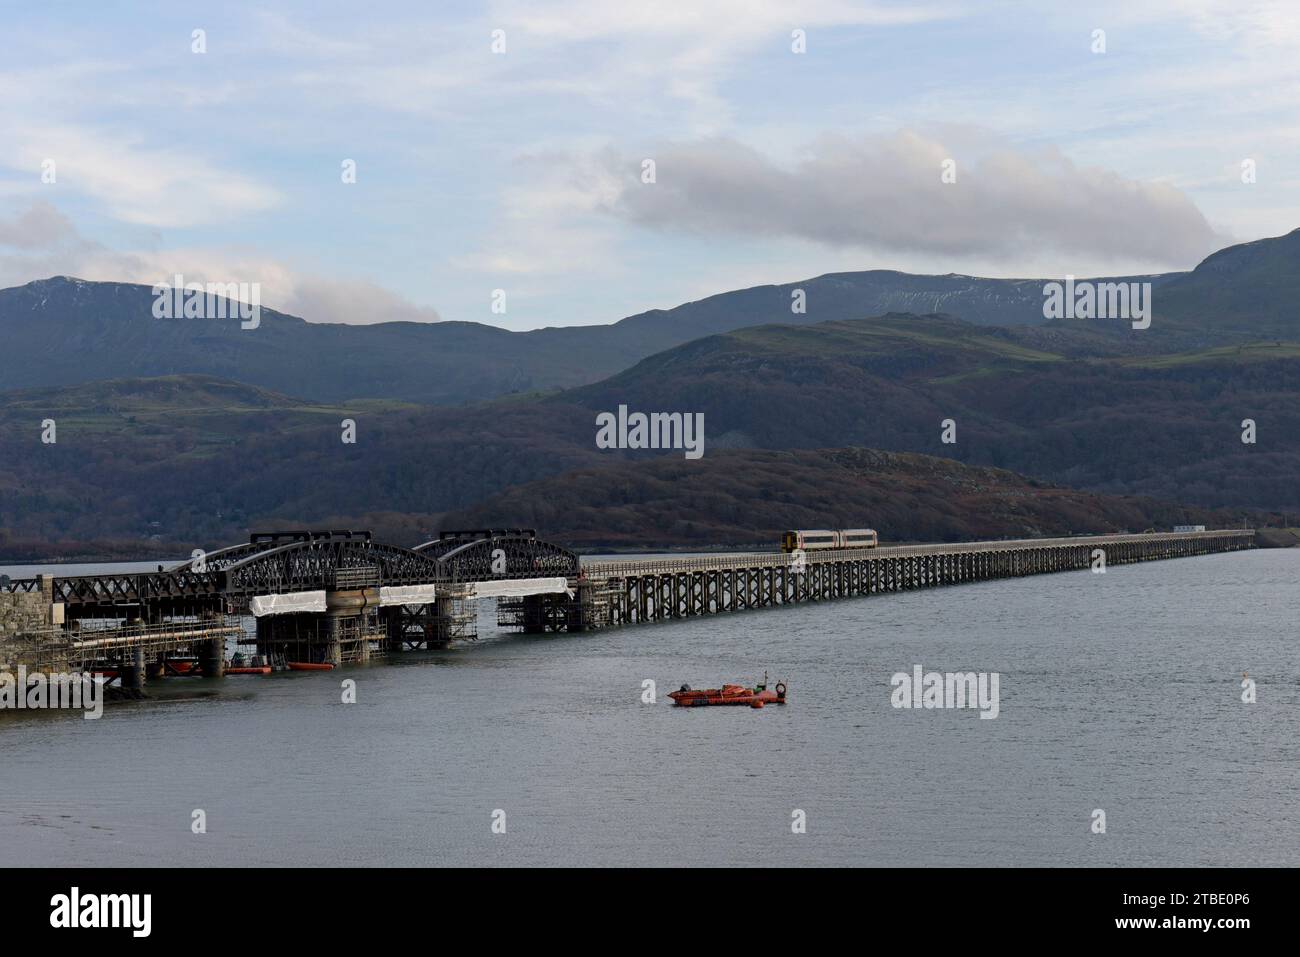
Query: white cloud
(551,220)
(134,181)
(147,134)
(886,194)
(357,301)
(40,226)
(686,48)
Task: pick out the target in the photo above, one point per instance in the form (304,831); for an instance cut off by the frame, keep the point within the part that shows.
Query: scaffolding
(510,613)
(319,639)
(590,608)
(101,645)
(456,619)
(432,625)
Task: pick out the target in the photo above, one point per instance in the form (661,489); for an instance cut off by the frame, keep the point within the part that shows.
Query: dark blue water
(1118,691)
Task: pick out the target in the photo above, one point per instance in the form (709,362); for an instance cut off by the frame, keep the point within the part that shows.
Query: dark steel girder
(312,565)
(507,557)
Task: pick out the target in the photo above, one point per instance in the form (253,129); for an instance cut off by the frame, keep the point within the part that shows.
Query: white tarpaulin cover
(518,587)
(287,604)
(405,594)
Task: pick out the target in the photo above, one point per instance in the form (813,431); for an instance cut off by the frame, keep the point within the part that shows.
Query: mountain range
(72,331)
(172,433)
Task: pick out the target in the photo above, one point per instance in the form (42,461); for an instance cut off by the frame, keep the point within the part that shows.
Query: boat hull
(727,695)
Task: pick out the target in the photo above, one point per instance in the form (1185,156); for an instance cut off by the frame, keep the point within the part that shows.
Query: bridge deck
(621,592)
(619,568)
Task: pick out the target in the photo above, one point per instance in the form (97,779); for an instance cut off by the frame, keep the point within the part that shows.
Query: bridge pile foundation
(538,614)
(133,670)
(212,658)
(329,638)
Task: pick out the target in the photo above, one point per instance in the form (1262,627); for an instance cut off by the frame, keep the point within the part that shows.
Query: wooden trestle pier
(630,592)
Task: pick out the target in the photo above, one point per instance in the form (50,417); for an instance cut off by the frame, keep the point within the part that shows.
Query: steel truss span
(296,561)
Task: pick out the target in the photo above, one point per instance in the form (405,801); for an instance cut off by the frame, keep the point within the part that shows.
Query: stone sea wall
(22,612)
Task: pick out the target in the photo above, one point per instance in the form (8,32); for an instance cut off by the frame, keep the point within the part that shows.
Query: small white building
(1189,528)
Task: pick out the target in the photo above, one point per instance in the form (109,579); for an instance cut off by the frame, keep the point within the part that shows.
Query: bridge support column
(347,628)
(534,615)
(133,669)
(133,659)
(582,613)
(332,653)
(444,611)
(212,657)
(393,629)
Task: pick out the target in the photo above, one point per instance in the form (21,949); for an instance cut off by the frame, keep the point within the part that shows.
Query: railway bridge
(338,596)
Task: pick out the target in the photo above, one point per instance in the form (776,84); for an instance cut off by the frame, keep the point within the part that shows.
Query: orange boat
(755,697)
(310,666)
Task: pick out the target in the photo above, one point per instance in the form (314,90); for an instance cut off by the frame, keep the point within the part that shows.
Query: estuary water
(1119,692)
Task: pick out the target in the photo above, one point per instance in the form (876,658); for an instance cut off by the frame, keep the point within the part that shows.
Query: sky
(503,146)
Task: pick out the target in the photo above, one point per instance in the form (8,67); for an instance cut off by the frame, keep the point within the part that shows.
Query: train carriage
(814,539)
(859,538)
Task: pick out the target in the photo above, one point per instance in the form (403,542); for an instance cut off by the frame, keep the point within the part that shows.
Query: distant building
(1189,528)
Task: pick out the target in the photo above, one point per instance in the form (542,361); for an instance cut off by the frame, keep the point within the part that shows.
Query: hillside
(190,458)
(181,459)
(1249,288)
(1165,426)
(72,332)
(747,498)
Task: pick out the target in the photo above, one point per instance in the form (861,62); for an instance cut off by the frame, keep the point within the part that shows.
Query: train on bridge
(817,539)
